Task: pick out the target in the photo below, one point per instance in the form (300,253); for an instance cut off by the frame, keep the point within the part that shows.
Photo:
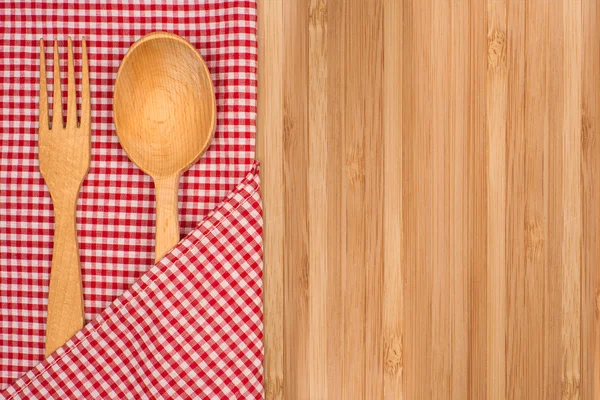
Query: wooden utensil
(165,115)
(64,155)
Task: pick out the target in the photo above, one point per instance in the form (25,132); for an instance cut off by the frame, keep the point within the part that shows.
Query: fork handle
(65,295)
(167,220)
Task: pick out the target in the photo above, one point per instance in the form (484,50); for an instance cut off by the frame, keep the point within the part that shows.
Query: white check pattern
(191,327)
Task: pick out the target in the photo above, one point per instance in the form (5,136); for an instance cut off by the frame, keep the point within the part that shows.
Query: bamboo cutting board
(431,184)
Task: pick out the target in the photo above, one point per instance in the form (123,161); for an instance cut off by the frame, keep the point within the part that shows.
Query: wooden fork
(64,155)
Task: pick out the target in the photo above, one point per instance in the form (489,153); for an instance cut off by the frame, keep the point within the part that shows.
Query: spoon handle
(167,220)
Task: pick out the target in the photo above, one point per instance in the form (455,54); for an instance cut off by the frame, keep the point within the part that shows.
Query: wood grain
(64,157)
(496,107)
(165,114)
(317,195)
(431,184)
(590,176)
(392,301)
(271,146)
(297,339)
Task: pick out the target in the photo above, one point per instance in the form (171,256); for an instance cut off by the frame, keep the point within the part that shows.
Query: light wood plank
(393,287)
(318,206)
(516,340)
(363,62)
(590,176)
(456,73)
(297,363)
(531,294)
(336,188)
(417,202)
(353,270)
(571,201)
(269,151)
(446,162)
(371,94)
(497,105)
(477,162)
(555,154)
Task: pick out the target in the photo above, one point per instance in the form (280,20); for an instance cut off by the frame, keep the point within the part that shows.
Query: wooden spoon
(165,116)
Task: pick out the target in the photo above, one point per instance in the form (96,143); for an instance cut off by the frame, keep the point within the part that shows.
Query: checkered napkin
(189,326)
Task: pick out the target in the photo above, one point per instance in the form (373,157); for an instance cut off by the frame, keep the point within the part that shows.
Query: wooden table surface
(431,183)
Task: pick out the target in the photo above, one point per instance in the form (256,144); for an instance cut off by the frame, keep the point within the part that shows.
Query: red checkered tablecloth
(189,326)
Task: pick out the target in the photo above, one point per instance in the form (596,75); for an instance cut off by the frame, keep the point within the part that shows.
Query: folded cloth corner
(191,327)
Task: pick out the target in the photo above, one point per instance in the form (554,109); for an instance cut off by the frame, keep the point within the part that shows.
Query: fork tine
(57,116)
(85,87)
(43,89)
(71,96)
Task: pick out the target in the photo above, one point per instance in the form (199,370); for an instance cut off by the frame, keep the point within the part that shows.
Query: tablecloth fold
(191,327)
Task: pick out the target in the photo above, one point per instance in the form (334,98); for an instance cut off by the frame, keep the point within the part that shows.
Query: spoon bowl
(165,116)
